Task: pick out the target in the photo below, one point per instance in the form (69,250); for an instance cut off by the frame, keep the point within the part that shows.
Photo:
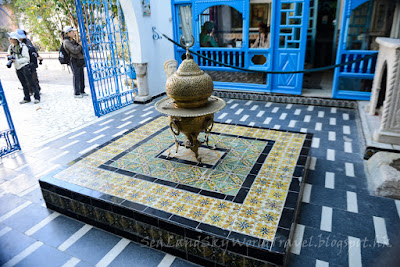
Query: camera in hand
(40,61)
(9,63)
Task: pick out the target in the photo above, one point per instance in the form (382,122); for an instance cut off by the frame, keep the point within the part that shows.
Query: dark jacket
(29,43)
(73,48)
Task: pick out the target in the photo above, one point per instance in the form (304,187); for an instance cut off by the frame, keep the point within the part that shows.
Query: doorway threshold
(290,99)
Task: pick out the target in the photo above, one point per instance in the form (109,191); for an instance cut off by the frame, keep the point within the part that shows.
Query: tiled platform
(339,224)
(237,206)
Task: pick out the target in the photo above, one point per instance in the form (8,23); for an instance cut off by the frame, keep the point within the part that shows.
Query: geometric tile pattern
(253,209)
(337,185)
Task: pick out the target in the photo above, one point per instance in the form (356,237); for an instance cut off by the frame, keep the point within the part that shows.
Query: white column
(395,32)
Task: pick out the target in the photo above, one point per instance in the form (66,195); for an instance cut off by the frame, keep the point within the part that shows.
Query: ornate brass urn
(189,86)
(189,105)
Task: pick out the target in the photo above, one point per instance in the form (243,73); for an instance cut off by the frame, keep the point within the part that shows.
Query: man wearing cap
(34,58)
(74,49)
(20,58)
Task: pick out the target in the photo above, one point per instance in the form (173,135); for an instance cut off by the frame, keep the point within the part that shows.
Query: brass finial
(187,44)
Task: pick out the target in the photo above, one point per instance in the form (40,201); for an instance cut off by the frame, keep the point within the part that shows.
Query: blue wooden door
(107,54)
(354,81)
(290,44)
(288,23)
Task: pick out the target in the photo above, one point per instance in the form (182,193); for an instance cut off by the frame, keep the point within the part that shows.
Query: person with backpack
(34,57)
(18,55)
(63,56)
(77,61)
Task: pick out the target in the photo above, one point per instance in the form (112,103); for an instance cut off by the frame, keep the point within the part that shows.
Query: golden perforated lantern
(189,86)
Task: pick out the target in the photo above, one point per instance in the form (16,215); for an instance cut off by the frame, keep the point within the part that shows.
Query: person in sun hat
(34,57)
(19,55)
(74,49)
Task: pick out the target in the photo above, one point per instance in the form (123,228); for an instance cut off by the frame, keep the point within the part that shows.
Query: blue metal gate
(8,137)
(107,54)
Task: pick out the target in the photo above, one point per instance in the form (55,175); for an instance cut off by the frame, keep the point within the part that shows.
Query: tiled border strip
(141,223)
(94,208)
(315,101)
(177,239)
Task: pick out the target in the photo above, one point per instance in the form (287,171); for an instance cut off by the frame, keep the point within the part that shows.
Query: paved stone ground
(340,223)
(57,113)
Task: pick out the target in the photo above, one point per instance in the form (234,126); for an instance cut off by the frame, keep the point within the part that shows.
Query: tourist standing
(34,57)
(19,56)
(77,63)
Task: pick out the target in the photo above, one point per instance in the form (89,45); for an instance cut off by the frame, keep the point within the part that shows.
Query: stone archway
(133,30)
(148,55)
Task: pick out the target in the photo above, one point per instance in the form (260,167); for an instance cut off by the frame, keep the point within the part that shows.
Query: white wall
(143,48)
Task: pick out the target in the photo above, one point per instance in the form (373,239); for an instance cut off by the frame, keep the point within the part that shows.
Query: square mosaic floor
(242,187)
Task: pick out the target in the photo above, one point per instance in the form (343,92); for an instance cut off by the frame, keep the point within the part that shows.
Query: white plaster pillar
(144,49)
(395,32)
(389,54)
(141,77)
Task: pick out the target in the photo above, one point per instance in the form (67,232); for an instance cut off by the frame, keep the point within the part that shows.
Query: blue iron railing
(8,137)
(364,68)
(107,54)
